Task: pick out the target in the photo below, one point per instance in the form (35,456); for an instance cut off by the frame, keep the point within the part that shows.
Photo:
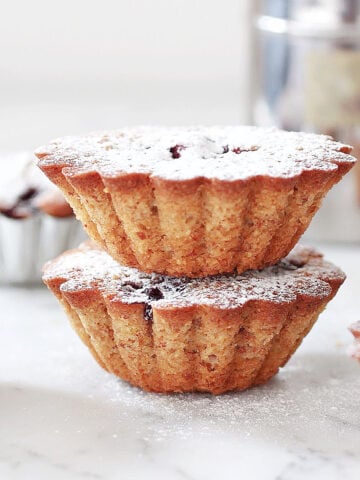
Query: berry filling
(175,150)
(153,293)
(22,208)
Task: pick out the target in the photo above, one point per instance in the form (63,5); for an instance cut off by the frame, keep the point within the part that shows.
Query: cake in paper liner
(36,222)
(214,334)
(195,201)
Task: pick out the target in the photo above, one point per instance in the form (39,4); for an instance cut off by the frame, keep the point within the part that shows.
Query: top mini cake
(195,201)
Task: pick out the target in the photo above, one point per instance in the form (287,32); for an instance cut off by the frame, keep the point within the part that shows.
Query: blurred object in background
(71,67)
(36,222)
(355,349)
(309,80)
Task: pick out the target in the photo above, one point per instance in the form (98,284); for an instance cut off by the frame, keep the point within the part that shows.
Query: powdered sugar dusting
(303,272)
(225,153)
(314,390)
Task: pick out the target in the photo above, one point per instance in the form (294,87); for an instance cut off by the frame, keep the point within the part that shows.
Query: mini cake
(195,201)
(355,350)
(214,334)
(36,222)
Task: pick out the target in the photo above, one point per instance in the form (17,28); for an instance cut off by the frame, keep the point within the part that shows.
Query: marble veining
(61,416)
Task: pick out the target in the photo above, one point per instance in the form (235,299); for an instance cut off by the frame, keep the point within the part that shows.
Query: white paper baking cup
(26,244)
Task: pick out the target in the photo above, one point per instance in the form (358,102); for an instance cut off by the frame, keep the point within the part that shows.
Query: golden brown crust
(196,228)
(189,346)
(55,173)
(201,225)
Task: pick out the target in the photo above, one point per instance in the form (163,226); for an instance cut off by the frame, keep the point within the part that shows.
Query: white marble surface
(61,416)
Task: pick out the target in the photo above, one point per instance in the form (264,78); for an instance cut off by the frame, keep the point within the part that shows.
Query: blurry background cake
(355,349)
(36,222)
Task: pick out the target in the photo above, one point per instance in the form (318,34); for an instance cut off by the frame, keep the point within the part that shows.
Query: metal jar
(309,79)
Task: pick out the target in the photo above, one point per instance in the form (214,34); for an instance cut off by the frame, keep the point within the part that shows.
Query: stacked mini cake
(191,283)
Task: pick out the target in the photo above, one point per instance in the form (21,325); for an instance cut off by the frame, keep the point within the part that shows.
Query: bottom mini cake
(215,334)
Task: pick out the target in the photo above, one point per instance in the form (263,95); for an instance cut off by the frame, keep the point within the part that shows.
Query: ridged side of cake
(177,335)
(196,201)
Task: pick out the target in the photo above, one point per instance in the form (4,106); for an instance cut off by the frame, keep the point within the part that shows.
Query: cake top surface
(87,268)
(25,190)
(180,153)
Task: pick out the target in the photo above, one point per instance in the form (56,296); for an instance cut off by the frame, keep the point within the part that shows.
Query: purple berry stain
(237,150)
(21,208)
(175,150)
(153,293)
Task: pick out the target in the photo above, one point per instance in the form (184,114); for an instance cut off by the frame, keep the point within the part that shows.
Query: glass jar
(309,80)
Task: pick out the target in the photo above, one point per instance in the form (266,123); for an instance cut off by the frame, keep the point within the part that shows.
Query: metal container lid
(327,19)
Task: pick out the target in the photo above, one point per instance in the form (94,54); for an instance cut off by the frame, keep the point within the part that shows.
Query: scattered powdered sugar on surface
(314,393)
(224,153)
(302,272)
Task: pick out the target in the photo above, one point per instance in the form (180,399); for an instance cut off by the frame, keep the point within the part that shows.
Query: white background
(72,66)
